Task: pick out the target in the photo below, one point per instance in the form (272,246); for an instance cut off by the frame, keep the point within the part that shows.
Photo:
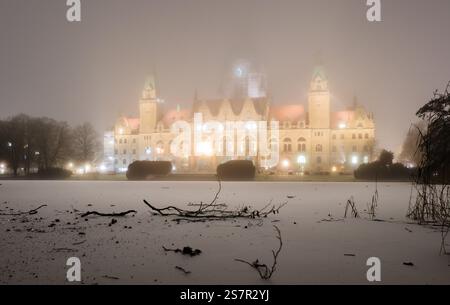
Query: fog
(94,70)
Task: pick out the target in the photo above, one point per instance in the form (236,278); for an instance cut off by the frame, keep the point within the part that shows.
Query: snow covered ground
(317,240)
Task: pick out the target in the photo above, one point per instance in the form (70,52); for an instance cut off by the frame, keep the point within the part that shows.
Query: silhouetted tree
(85,143)
(53,140)
(410,148)
(386,158)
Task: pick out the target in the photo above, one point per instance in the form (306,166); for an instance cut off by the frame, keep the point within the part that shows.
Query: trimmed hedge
(54,173)
(141,170)
(236,169)
(381,171)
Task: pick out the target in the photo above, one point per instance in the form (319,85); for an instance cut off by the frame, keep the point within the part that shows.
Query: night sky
(95,70)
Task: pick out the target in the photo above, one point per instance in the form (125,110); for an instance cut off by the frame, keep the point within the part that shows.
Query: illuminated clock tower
(148,107)
(319,101)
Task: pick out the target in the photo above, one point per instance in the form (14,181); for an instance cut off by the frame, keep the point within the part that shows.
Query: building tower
(319,101)
(148,107)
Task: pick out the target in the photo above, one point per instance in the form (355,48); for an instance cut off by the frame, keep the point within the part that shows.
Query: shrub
(54,173)
(141,170)
(236,169)
(381,171)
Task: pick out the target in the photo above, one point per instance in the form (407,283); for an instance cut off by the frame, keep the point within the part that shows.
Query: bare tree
(85,143)
(13,141)
(410,149)
(52,142)
(432,203)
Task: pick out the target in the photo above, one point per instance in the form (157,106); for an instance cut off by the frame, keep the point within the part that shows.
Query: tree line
(41,143)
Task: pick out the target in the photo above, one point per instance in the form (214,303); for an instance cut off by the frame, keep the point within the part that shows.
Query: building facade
(315,140)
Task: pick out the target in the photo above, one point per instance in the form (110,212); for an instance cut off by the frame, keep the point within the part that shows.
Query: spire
(149,91)
(319,80)
(195,95)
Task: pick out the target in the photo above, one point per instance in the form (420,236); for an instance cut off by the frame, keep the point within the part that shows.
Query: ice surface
(314,248)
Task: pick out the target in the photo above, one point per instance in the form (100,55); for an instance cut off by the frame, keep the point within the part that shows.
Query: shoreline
(209,177)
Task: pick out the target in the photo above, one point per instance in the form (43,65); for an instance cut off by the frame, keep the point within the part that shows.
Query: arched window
(319,148)
(287,145)
(301,145)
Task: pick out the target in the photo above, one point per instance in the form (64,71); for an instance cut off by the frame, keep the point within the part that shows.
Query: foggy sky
(95,70)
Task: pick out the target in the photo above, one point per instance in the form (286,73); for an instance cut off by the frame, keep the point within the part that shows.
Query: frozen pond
(319,246)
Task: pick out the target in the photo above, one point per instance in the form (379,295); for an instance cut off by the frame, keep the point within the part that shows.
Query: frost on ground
(319,244)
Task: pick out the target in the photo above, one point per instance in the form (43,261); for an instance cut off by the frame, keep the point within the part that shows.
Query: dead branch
(30,212)
(212,214)
(263,270)
(351,203)
(185,251)
(372,207)
(108,214)
(186,272)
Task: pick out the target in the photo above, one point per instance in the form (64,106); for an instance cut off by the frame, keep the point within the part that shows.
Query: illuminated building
(314,141)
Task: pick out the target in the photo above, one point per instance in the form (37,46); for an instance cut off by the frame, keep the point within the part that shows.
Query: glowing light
(239,71)
(334,169)
(366,159)
(159,150)
(70,165)
(9,144)
(148,151)
(80,171)
(355,160)
(2,165)
(286,163)
(342,125)
(102,168)
(301,160)
(87,168)
(121,131)
(174,168)
(250,126)
(204,148)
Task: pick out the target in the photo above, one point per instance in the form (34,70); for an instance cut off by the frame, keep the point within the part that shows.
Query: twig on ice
(30,212)
(108,214)
(184,251)
(186,272)
(263,270)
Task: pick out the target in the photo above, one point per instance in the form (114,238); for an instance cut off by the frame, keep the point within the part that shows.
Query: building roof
(342,117)
(215,105)
(291,113)
(132,123)
(173,115)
